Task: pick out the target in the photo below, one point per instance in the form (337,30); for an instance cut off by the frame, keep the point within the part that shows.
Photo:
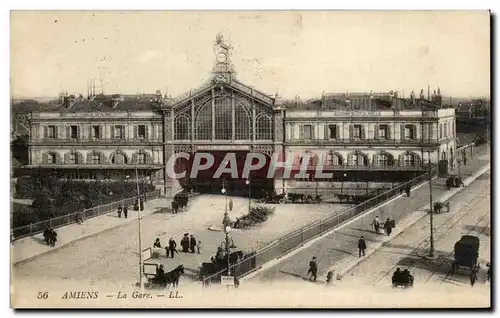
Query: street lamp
(247,182)
(431,210)
(227,230)
(226,221)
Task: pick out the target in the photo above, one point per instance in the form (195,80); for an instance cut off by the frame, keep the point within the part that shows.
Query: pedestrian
(172,247)
(120,211)
(53,237)
(361,246)
(388,227)
(313,269)
(192,243)
(125,211)
(230,204)
(46,235)
(157,243)
(465,159)
(198,246)
(329,278)
(185,243)
(407,190)
(376,224)
(488,273)
(473,276)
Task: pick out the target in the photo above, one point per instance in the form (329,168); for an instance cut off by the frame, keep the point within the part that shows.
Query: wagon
(466,253)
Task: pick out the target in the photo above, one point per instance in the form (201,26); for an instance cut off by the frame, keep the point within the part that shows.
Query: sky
(300,53)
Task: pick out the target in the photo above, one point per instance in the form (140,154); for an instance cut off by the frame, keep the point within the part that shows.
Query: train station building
(365,137)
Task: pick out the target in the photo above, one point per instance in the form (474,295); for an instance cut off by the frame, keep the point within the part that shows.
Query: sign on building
(227,280)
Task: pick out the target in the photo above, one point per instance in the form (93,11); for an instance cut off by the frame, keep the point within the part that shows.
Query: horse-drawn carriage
(466,253)
(402,279)
(219,264)
(454,181)
(158,279)
(180,202)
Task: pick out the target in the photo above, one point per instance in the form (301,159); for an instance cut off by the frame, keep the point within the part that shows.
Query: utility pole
(431,211)
(139,217)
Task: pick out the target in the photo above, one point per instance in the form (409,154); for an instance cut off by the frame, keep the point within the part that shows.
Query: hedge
(53,197)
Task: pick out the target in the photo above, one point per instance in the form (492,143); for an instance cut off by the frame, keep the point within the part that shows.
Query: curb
(281,258)
(30,258)
(409,221)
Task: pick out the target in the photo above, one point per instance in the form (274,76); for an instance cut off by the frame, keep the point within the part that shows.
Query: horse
(172,277)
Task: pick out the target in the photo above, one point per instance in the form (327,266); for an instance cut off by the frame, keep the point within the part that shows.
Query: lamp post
(249,193)
(227,229)
(431,210)
(139,218)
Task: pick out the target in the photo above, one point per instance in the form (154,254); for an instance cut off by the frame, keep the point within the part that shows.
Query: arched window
(243,123)
(182,127)
(385,159)
(358,159)
(119,158)
(264,127)
(223,118)
(203,123)
(334,159)
(95,158)
(409,159)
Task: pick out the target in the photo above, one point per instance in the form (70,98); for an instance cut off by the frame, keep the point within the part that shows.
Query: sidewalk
(29,247)
(338,250)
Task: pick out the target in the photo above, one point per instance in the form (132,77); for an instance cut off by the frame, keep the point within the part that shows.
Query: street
(110,258)
(471,216)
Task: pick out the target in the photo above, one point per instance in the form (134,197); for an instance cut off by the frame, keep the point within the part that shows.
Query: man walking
(313,269)
(172,247)
(376,225)
(125,211)
(361,246)
(230,204)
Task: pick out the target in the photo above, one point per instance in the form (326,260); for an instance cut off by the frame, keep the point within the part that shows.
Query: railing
(363,141)
(39,227)
(395,167)
(96,141)
(292,240)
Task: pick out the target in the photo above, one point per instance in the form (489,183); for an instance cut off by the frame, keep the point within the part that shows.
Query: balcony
(395,167)
(95,142)
(96,166)
(359,142)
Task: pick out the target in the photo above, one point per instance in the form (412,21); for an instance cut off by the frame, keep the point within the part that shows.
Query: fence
(295,238)
(38,227)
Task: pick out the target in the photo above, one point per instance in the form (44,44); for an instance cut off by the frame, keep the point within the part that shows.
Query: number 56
(43,295)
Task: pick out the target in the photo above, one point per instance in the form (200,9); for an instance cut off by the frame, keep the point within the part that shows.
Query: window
(264,128)
(359,160)
(440,131)
(409,132)
(334,160)
(141,158)
(385,160)
(73,132)
(356,131)
(332,129)
(409,159)
(51,158)
(96,158)
(182,127)
(445,130)
(119,132)
(96,132)
(73,158)
(307,131)
(382,131)
(141,131)
(51,132)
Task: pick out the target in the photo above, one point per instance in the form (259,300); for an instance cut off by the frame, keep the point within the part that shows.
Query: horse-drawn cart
(466,253)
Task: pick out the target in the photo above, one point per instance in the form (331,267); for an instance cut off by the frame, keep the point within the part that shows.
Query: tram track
(439,232)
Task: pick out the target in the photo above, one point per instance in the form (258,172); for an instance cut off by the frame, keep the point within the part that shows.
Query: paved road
(470,216)
(341,245)
(111,257)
